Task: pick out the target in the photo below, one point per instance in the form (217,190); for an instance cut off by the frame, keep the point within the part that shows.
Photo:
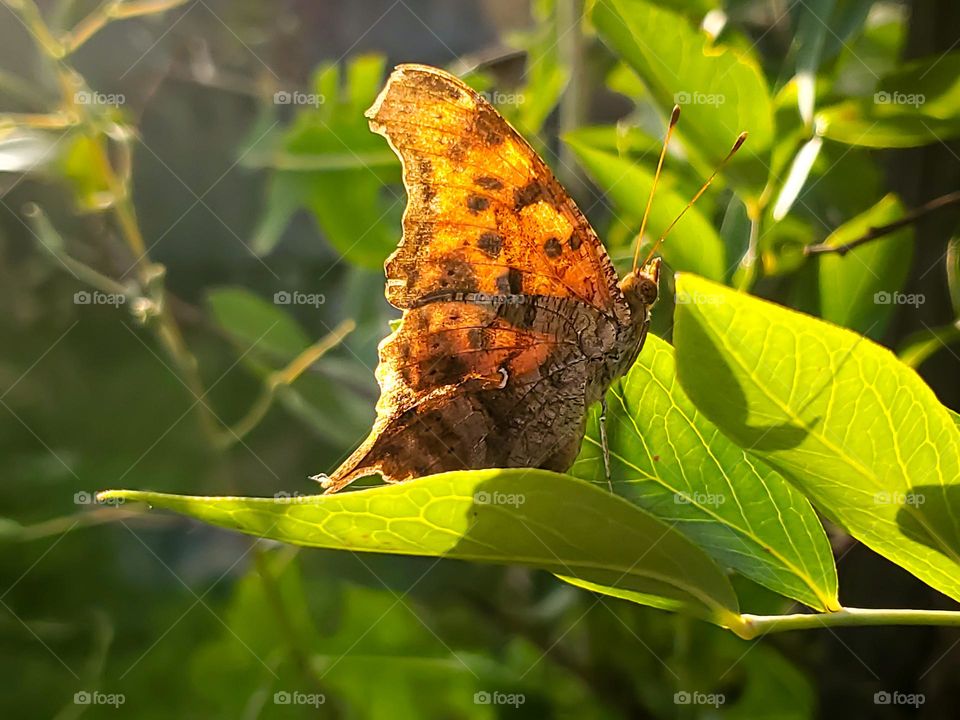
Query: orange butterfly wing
(503,284)
(484,213)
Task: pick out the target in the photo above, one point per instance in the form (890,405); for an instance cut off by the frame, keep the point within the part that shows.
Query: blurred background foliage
(193,222)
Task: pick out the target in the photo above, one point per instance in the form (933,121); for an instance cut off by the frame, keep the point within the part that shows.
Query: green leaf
(917,104)
(919,346)
(693,244)
(861,289)
(953,273)
(253,320)
(856,430)
(858,123)
(722,93)
(670,460)
(524,517)
(331,164)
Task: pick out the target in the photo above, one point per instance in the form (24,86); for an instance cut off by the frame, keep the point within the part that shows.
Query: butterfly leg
(603,441)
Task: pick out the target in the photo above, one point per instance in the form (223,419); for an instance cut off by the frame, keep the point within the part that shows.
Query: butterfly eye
(648,290)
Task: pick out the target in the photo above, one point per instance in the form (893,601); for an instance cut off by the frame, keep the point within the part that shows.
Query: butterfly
(515,321)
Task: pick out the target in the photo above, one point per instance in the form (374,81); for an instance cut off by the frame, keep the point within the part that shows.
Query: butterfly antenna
(674,117)
(736,146)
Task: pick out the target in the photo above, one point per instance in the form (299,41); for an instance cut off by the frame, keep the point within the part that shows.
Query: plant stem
(878,232)
(756,625)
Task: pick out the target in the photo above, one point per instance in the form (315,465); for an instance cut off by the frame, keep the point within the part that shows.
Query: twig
(877,232)
(755,625)
(283,378)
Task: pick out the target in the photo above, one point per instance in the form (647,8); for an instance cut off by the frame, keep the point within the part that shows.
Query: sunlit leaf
(854,428)
(523,517)
(670,460)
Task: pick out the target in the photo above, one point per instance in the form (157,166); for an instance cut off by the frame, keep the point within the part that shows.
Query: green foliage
(330,163)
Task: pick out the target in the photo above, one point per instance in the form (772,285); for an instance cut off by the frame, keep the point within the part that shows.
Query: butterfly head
(641,287)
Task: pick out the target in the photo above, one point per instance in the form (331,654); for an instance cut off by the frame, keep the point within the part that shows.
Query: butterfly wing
(509,299)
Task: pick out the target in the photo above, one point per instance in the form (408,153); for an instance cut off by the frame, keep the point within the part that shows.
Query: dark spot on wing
(491,243)
(488,183)
(532,192)
(574,241)
(552,248)
(477,203)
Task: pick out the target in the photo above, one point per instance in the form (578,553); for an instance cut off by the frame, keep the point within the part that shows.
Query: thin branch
(878,232)
(284,378)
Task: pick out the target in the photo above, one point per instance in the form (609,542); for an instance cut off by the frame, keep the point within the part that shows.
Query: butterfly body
(514,322)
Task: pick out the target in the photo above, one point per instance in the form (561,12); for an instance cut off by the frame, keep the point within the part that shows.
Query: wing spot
(477,204)
(491,243)
(488,183)
(552,248)
(532,192)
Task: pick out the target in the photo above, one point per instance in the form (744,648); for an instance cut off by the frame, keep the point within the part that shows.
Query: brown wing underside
(498,274)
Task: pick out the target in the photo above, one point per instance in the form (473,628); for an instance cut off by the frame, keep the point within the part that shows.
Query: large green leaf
(722,93)
(859,432)
(670,460)
(524,517)
(861,289)
(693,245)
